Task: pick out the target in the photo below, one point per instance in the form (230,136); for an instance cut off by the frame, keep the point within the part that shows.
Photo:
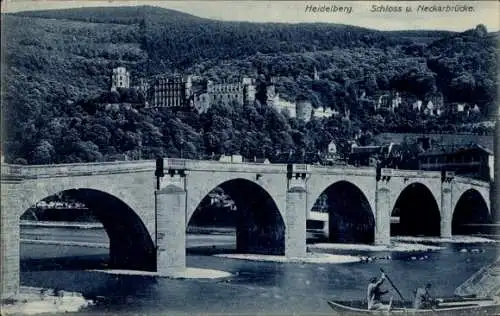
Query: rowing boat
(460,307)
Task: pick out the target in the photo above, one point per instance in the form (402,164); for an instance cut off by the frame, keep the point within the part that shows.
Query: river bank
(53,224)
(33,300)
(309,258)
(484,283)
(187,273)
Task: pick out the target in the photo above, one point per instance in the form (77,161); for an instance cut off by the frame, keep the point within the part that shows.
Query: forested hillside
(56,61)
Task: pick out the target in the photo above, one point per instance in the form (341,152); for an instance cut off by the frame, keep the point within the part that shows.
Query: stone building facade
(472,161)
(171,92)
(282,105)
(142,86)
(240,92)
(389,101)
(304,110)
(301,109)
(120,78)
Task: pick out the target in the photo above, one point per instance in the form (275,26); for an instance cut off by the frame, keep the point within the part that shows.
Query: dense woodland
(57,66)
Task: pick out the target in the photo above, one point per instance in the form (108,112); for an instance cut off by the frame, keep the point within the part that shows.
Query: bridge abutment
(296,210)
(170,230)
(383,214)
(9,242)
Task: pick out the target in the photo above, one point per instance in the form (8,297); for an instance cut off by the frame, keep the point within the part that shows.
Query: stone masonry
(164,205)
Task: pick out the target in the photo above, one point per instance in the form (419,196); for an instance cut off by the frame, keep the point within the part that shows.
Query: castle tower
(120,78)
(188,82)
(248,90)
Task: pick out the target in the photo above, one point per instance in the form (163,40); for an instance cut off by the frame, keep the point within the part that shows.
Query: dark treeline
(58,63)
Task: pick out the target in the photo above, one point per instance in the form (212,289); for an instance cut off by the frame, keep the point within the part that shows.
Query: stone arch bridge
(146,210)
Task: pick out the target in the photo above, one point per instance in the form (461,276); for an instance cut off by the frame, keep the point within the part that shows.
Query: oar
(388,279)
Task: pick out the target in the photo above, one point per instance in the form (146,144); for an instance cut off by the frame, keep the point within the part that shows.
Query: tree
(463,87)
(481,30)
(43,153)
(371,85)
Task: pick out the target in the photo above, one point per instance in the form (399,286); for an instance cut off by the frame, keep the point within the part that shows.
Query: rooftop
(453,150)
(456,140)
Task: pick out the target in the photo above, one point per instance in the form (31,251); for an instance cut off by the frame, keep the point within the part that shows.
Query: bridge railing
(343,169)
(211,165)
(10,170)
(36,171)
(410,173)
(174,163)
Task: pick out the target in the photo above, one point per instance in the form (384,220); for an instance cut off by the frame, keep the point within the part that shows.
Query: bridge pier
(382,214)
(326,228)
(296,210)
(9,243)
(170,205)
(446,210)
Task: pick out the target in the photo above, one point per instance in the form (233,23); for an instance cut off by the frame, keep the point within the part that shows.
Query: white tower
(120,78)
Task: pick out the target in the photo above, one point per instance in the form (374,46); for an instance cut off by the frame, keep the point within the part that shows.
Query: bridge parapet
(341,170)
(211,165)
(299,168)
(80,169)
(11,170)
(174,163)
(10,173)
(411,173)
(475,182)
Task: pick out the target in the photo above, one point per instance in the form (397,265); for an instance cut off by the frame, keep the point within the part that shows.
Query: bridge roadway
(146,216)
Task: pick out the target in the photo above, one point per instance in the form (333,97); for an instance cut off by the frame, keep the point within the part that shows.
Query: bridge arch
(319,184)
(131,245)
(260,225)
(350,215)
(417,209)
(470,213)
(460,187)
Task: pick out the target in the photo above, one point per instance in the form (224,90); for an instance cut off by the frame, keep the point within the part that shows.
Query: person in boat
(374,294)
(423,300)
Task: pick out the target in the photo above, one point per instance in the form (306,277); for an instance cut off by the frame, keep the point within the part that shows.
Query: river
(255,287)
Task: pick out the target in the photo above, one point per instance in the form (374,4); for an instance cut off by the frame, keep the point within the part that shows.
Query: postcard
(249,157)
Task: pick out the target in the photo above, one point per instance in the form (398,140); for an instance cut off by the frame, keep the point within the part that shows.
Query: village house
(473,161)
(388,156)
(389,101)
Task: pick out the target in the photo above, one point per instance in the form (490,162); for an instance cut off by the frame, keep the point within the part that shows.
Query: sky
(360,13)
